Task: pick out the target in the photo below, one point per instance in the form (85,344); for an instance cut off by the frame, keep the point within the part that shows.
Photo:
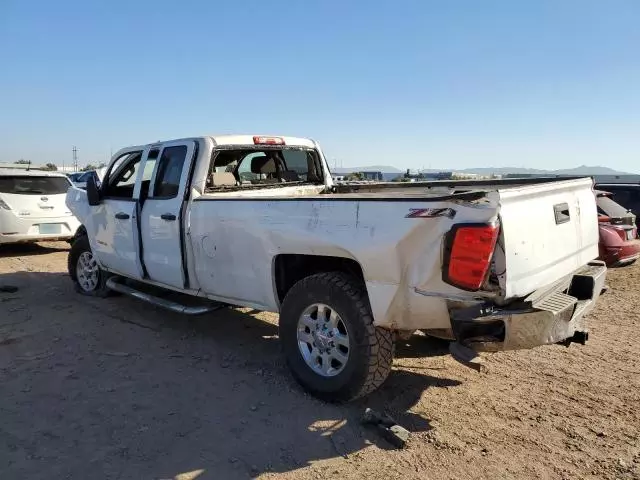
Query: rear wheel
(331,345)
(89,279)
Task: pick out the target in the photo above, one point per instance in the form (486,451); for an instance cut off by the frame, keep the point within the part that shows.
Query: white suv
(32,207)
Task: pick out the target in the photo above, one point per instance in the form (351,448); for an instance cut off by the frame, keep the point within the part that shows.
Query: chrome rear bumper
(545,317)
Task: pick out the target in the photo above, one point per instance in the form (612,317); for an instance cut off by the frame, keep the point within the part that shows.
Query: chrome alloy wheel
(323,340)
(87,272)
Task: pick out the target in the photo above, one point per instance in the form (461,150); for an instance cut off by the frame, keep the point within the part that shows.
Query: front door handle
(122,216)
(169,217)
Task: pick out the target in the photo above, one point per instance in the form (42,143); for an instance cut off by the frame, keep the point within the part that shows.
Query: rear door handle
(122,216)
(169,217)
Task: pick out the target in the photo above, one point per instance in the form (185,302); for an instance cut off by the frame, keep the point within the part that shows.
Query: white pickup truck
(257,222)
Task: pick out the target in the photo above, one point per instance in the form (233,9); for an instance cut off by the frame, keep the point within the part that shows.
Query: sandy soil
(117,389)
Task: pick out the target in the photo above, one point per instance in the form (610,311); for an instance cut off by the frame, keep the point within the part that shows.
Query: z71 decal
(430,212)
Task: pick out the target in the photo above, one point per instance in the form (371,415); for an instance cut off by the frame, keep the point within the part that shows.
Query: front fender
(76,201)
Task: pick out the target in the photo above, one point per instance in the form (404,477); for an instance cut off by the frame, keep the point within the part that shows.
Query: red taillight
(470,258)
(257,140)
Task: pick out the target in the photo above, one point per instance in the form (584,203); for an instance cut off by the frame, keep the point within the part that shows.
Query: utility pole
(75,158)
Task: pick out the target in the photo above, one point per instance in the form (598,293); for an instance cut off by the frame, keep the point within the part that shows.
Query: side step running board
(115,284)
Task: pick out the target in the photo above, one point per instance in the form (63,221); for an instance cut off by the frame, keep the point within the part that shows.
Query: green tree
(22,161)
(89,167)
(52,167)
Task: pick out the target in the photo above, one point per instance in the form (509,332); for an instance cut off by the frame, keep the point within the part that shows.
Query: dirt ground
(117,389)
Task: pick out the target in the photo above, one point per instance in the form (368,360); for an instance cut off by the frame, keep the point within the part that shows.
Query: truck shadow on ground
(13,250)
(421,346)
(138,392)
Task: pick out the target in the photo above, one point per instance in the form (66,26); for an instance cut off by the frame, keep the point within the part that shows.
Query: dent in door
(220,271)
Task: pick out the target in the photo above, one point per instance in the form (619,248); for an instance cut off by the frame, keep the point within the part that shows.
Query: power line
(75,158)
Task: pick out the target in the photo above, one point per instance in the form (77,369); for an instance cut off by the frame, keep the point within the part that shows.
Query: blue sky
(457,84)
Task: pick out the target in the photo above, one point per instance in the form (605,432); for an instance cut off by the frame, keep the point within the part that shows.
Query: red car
(619,244)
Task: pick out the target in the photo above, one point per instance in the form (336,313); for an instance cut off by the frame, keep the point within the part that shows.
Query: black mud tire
(80,246)
(371,348)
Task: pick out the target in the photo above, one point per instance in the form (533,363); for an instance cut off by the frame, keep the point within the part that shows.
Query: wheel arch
(80,231)
(290,268)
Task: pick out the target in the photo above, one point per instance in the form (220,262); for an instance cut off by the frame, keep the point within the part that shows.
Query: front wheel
(88,278)
(331,345)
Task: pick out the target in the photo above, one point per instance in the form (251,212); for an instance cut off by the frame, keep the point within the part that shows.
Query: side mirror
(93,194)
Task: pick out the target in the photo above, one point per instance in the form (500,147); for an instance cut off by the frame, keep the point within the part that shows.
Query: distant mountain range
(581,170)
(373,168)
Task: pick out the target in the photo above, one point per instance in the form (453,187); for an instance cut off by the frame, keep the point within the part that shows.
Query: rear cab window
(34,185)
(269,166)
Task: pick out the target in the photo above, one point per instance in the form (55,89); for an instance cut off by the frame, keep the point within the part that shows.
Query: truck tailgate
(549,230)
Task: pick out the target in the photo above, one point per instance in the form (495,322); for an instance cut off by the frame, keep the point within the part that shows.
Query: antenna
(75,158)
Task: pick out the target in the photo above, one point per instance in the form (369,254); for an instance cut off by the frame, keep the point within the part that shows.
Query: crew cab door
(112,225)
(161,224)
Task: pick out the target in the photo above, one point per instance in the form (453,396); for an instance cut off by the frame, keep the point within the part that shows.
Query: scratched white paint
(232,239)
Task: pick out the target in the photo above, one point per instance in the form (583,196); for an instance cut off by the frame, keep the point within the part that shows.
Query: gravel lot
(118,389)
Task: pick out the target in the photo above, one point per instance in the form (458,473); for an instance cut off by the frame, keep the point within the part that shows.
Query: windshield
(265,166)
(33,185)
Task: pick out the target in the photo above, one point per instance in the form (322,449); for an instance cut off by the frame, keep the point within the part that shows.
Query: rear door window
(169,173)
(33,185)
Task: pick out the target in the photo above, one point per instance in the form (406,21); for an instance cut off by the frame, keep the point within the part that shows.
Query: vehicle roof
(12,172)
(225,140)
(248,140)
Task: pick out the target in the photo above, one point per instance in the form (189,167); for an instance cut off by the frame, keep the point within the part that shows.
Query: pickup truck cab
(257,221)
